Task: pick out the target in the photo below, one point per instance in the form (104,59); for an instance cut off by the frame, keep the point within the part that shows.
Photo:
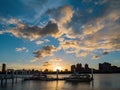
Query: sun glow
(57,68)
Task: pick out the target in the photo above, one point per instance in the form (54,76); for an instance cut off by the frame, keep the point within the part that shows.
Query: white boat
(75,77)
(79,78)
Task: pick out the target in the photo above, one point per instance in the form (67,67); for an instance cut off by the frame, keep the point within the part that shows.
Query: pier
(12,76)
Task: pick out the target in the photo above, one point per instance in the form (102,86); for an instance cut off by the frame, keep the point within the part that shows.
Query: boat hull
(79,80)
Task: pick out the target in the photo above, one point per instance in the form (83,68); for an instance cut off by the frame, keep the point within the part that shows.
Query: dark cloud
(95,57)
(35,32)
(46,64)
(45,51)
(51,29)
(105,53)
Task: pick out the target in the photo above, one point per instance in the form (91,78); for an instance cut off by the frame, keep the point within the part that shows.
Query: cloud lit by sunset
(35,32)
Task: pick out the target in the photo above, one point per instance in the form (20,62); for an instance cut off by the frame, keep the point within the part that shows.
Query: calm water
(101,82)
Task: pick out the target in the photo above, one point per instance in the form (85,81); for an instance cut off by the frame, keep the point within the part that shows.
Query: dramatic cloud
(62,15)
(101,33)
(45,51)
(90,29)
(22,49)
(69,44)
(36,32)
(81,27)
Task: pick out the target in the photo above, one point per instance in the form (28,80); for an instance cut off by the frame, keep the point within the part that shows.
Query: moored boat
(79,78)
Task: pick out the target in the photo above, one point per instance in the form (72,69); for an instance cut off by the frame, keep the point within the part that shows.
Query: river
(101,82)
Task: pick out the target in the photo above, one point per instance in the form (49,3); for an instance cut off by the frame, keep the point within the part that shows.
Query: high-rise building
(79,67)
(105,67)
(100,66)
(86,67)
(73,68)
(3,68)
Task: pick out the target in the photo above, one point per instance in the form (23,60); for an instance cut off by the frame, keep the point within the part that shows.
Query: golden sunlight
(57,68)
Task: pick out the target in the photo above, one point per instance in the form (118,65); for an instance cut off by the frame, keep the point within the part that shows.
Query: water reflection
(77,83)
(101,82)
(56,85)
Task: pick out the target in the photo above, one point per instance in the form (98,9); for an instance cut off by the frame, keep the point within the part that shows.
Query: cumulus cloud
(33,32)
(12,21)
(69,44)
(45,51)
(90,29)
(73,46)
(78,31)
(101,33)
(22,49)
(62,15)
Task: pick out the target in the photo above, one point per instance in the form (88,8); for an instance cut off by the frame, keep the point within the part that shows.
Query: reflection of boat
(79,78)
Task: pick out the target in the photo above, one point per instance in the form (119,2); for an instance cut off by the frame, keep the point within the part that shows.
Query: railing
(11,77)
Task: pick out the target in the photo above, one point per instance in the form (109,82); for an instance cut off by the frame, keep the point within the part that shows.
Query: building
(105,67)
(79,67)
(86,67)
(3,68)
(73,68)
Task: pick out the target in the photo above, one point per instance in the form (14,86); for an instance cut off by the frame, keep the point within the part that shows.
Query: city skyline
(37,34)
(78,68)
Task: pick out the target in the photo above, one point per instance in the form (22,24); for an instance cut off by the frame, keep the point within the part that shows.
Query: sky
(40,34)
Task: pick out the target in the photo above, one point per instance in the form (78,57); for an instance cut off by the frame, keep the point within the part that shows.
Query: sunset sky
(43,34)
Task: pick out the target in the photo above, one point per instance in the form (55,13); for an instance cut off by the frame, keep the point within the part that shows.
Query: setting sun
(57,68)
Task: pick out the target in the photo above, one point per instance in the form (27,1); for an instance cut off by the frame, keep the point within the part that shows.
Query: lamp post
(57,73)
